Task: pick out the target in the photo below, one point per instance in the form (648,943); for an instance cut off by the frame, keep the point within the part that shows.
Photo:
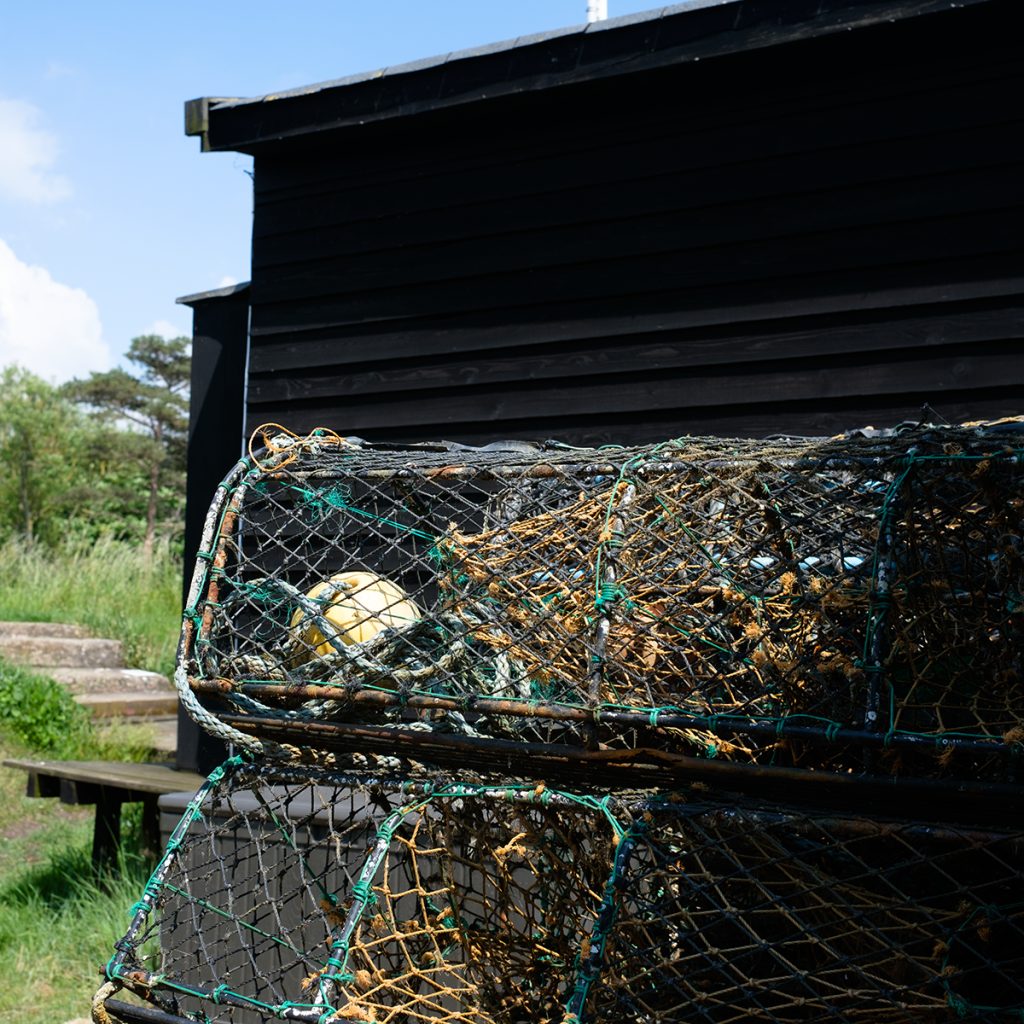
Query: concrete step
(165,735)
(59,652)
(93,670)
(60,630)
(109,680)
(162,729)
(128,705)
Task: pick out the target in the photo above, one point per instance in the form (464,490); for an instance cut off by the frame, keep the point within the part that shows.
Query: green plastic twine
(155,884)
(959,1003)
(336,497)
(588,971)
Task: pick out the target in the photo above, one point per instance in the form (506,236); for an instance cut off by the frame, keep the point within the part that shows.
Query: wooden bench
(108,785)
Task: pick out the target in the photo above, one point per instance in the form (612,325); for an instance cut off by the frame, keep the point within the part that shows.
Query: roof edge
(423,64)
(683,32)
(214,293)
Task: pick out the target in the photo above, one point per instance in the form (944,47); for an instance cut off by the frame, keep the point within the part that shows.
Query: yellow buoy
(364,606)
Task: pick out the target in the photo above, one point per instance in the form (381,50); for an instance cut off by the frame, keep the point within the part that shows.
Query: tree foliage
(154,405)
(103,457)
(43,439)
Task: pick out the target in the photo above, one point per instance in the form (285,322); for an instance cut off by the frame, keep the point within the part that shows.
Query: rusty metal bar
(947,800)
(128,1014)
(723,726)
(545,471)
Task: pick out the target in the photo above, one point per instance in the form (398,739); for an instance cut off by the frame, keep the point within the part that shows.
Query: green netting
(834,603)
(310,895)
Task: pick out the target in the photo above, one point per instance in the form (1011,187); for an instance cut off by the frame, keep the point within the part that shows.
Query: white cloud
(57,70)
(227,281)
(167,330)
(26,154)
(45,326)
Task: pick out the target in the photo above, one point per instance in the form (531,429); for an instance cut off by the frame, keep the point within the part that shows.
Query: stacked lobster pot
(710,730)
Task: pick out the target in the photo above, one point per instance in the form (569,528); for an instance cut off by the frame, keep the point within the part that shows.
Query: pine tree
(155,403)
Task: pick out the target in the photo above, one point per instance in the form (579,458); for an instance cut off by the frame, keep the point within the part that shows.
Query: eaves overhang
(685,32)
(214,293)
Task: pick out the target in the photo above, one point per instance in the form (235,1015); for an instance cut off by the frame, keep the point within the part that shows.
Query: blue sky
(107,211)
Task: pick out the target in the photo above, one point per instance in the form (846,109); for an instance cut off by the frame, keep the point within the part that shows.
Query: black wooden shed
(719,217)
(734,218)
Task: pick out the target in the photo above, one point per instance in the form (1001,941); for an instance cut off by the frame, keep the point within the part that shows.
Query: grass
(106,587)
(58,923)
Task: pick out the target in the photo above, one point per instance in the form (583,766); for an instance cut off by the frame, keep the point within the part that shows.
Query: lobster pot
(311,895)
(828,604)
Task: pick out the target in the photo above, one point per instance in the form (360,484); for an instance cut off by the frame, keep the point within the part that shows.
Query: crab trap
(832,604)
(305,894)
(402,641)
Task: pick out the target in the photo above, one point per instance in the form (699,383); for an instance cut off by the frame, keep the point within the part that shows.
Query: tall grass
(58,922)
(58,926)
(106,587)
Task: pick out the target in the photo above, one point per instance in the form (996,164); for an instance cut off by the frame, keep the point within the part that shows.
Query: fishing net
(404,639)
(833,603)
(310,895)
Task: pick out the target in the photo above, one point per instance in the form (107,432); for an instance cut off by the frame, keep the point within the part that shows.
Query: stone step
(59,652)
(165,738)
(109,680)
(128,705)
(162,729)
(58,630)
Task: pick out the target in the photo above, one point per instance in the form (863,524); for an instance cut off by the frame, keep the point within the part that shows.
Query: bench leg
(106,836)
(151,827)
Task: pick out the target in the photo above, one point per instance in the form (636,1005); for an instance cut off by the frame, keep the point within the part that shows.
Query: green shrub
(40,712)
(42,715)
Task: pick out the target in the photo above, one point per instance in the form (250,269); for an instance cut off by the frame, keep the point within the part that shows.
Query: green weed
(58,923)
(41,713)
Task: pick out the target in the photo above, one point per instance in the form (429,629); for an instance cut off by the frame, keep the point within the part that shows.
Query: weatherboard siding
(797,238)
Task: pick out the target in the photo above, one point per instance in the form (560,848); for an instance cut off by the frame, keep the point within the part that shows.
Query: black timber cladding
(217,398)
(815,225)
(216,424)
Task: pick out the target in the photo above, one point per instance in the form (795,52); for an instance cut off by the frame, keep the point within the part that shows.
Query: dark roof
(695,30)
(214,293)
